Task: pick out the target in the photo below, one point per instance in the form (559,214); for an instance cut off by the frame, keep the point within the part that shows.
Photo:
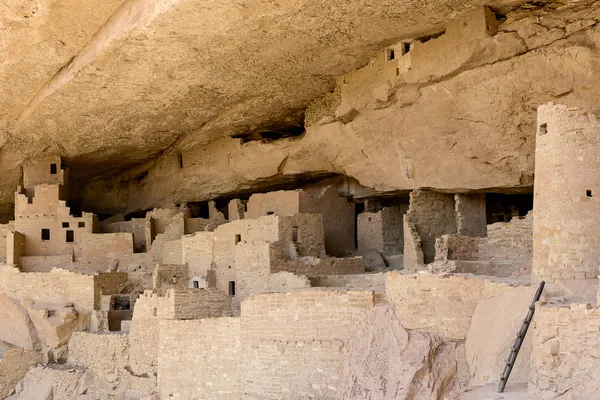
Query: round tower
(566,208)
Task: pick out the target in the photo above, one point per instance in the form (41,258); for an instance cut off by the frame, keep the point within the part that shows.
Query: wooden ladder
(514,350)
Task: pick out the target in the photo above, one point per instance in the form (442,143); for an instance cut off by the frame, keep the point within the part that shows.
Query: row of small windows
(79,224)
(238,238)
(69,235)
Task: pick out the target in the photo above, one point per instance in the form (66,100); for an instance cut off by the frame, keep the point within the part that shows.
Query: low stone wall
(200,359)
(441,304)
(294,342)
(369,281)
(566,352)
(506,251)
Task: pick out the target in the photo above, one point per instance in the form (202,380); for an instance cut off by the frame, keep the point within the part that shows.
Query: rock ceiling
(109,85)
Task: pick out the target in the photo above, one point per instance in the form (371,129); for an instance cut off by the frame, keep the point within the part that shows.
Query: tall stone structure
(566,233)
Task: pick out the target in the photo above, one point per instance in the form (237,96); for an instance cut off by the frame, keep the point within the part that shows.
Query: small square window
(45,234)
(196,284)
(65,224)
(53,169)
(70,237)
(588,193)
(238,238)
(81,224)
(543,129)
(231,288)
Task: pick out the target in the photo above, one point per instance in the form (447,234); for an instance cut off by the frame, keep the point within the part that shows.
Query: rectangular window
(53,169)
(196,284)
(81,224)
(270,212)
(238,238)
(45,234)
(65,224)
(231,288)
(295,234)
(70,237)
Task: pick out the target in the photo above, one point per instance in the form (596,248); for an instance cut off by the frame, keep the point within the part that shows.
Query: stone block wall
(432,215)
(197,252)
(200,359)
(506,251)
(5,230)
(338,217)
(283,202)
(566,235)
(168,276)
(137,227)
(286,355)
(172,252)
(471,219)
(441,304)
(566,348)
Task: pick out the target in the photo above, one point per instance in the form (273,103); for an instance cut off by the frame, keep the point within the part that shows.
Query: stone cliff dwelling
(327,200)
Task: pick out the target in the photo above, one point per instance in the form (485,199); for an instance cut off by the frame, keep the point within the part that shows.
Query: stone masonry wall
(200,359)
(136,227)
(506,251)
(566,351)
(471,217)
(433,215)
(441,304)
(566,235)
(284,355)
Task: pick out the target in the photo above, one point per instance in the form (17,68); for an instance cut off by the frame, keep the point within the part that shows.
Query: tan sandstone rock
(387,362)
(16,326)
(493,330)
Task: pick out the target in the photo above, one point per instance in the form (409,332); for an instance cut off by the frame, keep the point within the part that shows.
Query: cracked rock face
(111,86)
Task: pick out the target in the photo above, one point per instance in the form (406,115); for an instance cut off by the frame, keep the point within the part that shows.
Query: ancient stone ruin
(299,199)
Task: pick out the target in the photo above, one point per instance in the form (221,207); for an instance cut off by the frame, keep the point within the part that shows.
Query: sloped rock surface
(386,362)
(16,327)
(492,332)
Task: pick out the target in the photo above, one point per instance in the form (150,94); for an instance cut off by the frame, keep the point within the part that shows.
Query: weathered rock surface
(492,332)
(387,362)
(436,134)
(16,327)
(55,324)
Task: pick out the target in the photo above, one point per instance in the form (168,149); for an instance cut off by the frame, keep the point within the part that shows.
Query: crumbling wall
(15,246)
(282,202)
(167,277)
(193,225)
(287,356)
(338,217)
(565,350)
(137,227)
(432,215)
(370,231)
(14,365)
(200,359)
(197,252)
(506,251)
(5,230)
(172,252)
(471,217)
(565,229)
(422,299)
(413,250)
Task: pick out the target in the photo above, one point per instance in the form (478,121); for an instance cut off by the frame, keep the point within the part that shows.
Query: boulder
(492,332)
(374,261)
(385,362)
(16,327)
(55,323)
